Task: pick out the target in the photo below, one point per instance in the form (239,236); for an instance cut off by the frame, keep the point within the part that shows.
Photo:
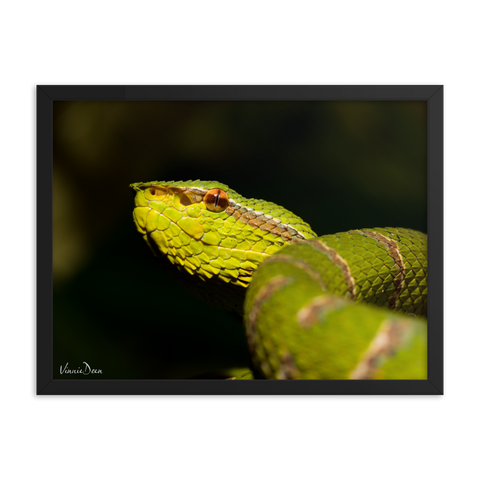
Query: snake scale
(351,305)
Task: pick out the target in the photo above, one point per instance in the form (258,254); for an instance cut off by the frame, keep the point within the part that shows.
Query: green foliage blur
(339,165)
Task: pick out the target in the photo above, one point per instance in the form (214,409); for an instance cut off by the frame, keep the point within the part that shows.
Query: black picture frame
(47,94)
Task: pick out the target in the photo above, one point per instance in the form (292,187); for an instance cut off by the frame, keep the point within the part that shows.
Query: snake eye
(216,200)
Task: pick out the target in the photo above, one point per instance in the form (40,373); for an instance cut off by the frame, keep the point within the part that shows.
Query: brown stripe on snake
(388,338)
(393,250)
(317,309)
(266,223)
(340,262)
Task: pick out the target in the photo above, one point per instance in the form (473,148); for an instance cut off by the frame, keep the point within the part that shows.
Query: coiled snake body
(312,306)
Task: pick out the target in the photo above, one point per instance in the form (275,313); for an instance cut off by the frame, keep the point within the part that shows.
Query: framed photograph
(240,239)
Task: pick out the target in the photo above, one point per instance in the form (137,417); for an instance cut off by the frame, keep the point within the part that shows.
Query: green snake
(351,305)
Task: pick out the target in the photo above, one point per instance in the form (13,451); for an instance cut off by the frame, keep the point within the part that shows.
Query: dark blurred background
(339,165)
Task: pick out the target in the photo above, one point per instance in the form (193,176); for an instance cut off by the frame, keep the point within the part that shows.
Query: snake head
(210,232)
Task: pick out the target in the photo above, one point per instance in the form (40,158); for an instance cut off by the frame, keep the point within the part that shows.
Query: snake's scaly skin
(299,315)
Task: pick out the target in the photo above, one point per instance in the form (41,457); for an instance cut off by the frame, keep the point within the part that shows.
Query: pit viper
(351,305)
